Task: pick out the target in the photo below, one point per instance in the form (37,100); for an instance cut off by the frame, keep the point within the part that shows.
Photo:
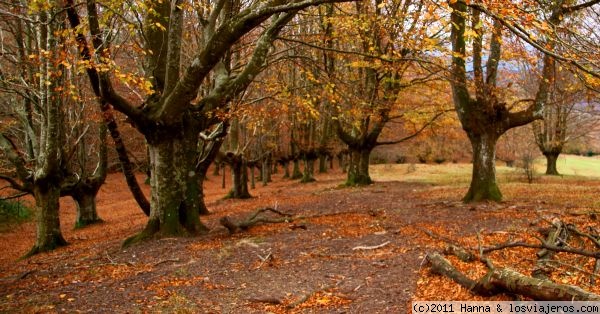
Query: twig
(543,246)
(110,259)
(374,247)
(270,300)
(6,198)
(166,261)
(25,274)
(263,259)
(480,244)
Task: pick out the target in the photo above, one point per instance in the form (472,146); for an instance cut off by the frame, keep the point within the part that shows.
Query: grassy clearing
(571,165)
(444,174)
(571,168)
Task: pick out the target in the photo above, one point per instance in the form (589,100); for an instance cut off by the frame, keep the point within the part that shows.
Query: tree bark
(48,234)
(239,170)
(296,173)
(483,180)
(358,167)
(551,158)
(86,209)
(507,280)
(322,163)
(309,170)
(172,213)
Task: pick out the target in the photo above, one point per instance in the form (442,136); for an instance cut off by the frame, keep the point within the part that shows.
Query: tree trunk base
(484,192)
(307,179)
(82,223)
(153,230)
(358,180)
(50,244)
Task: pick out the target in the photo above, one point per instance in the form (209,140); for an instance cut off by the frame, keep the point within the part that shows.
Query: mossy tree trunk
(484,116)
(175,189)
(551,159)
(48,235)
(358,167)
(483,180)
(86,209)
(296,173)
(322,163)
(239,170)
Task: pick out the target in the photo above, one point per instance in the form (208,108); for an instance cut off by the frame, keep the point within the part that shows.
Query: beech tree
(482,111)
(37,156)
(180,105)
(382,49)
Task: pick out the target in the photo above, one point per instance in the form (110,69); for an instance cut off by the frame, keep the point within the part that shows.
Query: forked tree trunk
(358,168)
(551,159)
(48,236)
(172,213)
(483,181)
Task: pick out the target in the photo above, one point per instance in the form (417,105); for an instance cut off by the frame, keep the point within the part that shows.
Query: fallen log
(506,280)
(255,218)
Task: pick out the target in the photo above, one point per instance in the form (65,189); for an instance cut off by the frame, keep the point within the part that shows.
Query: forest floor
(356,250)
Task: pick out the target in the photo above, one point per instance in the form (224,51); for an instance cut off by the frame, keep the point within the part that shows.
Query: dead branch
(374,247)
(543,245)
(269,300)
(174,260)
(557,236)
(256,218)
(507,280)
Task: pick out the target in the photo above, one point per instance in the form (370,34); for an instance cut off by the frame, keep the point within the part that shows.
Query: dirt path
(360,251)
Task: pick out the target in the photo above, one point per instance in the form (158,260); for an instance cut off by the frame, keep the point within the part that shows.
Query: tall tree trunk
(309,170)
(286,169)
(551,159)
(322,163)
(483,181)
(48,234)
(239,171)
(358,167)
(296,173)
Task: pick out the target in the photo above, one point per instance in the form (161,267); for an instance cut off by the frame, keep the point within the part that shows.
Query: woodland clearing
(356,250)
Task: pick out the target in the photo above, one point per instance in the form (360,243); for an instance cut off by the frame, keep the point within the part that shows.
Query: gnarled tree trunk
(174,187)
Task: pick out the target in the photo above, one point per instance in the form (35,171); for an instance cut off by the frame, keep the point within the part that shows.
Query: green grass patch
(13,212)
(572,165)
